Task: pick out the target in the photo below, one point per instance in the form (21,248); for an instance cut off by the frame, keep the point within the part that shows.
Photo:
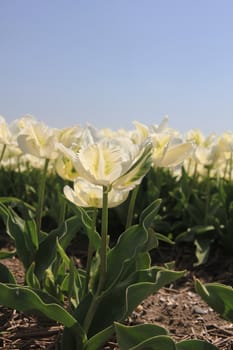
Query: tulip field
(85,213)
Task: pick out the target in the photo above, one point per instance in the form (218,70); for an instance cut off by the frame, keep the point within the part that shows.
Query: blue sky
(110,62)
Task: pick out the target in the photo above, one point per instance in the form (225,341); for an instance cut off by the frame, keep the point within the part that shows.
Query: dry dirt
(177,307)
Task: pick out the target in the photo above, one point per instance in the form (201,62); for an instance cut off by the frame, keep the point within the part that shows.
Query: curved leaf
(5,275)
(218,296)
(26,300)
(161,342)
(129,336)
(86,221)
(4,254)
(124,297)
(148,214)
(99,339)
(135,240)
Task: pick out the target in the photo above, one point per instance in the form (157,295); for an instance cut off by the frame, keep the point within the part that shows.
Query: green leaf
(218,296)
(46,253)
(143,261)
(135,240)
(125,296)
(4,254)
(161,342)
(148,214)
(73,290)
(15,229)
(5,275)
(130,336)
(129,244)
(63,254)
(30,277)
(99,339)
(30,230)
(195,345)
(86,221)
(26,300)
(17,201)
(163,238)
(202,250)
(69,230)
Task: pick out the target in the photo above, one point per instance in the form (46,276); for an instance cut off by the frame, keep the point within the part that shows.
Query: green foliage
(153,337)
(5,275)
(191,209)
(26,299)
(218,296)
(195,209)
(51,276)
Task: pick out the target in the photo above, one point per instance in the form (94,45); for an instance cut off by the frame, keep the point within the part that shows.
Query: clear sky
(110,62)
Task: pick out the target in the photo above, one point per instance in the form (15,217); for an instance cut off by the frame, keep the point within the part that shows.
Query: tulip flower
(5,133)
(86,194)
(170,151)
(38,139)
(65,169)
(6,137)
(110,164)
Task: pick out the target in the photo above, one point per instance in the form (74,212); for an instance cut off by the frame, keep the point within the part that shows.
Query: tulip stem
(231,166)
(131,207)
(103,263)
(2,153)
(41,196)
(207,199)
(62,211)
(90,252)
(104,240)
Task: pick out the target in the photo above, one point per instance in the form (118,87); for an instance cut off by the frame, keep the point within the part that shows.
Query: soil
(177,307)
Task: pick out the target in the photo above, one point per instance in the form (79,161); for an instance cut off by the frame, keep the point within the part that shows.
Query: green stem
(41,196)
(104,240)
(2,153)
(62,211)
(230,167)
(131,207)
(103,263)
(90,253)
(207,200)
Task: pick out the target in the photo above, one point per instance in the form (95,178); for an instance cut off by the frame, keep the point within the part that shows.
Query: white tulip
(86,194)
(38,140)
(109,163)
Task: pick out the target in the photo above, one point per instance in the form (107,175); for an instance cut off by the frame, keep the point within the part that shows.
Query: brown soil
(177,307)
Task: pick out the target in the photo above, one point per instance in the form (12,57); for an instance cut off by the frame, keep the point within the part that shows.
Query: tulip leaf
(195,344)
(99,339)
(202,250)
(218,296)
(25,299)
(130,336)
(46,253)
(148,214)
(5,275)
(135,240)
(129,244)
(156,343)
(4,254)
(68,230)
(86,220)
(30,277)
(125,296)
(62,253)
(15,229)
(17,201)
